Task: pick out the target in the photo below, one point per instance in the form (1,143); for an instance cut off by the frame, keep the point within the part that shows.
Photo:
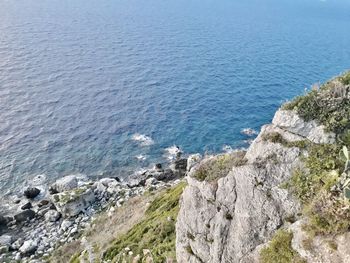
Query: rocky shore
(285,199)
(43,219)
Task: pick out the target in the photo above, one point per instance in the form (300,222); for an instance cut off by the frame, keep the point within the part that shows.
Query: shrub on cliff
(329,104)
(219,166)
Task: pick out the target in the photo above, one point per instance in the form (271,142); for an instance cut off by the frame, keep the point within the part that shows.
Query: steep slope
(229,219)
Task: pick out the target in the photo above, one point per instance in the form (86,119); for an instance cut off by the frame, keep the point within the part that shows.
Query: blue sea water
(78,79)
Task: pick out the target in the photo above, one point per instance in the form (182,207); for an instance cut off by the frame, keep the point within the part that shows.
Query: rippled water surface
(81,80)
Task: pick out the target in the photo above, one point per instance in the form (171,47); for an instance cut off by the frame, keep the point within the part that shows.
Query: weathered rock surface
(227,220)
(320,249)
(71,203)
(290,121)
(28,247)
(64,184)
(52,216)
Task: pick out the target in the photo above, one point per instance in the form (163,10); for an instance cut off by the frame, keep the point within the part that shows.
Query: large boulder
(71,203)
(52,215)
(28,247)
(311,130)
(31,192)
(24,215)
(64,184)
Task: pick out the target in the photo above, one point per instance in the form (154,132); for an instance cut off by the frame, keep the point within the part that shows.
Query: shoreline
(44,219)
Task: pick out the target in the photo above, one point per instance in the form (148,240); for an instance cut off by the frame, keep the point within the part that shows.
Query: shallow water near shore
(104,88)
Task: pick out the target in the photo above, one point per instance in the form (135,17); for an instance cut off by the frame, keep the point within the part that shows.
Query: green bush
(280,250)
(329,105)
(219,166)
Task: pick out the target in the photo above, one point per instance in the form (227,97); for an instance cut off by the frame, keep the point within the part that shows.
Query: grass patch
(276,137)
(329,105)
(280,250)
(328,211)
(219,166)
(155,232)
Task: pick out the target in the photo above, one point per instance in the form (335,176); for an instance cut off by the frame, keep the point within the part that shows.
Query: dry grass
(104,229)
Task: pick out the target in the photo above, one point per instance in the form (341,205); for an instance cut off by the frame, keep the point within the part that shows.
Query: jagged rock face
(225,221)
(320,249)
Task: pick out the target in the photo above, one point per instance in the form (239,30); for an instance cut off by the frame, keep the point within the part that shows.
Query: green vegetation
(329,105)
(75,258)
(323,185)
(276,137)
(322,171)
(315,186)
(280,250)
(155,232)
(219,166)
(345,79)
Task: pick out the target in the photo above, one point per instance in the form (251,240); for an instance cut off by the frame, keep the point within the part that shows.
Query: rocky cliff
(231,217)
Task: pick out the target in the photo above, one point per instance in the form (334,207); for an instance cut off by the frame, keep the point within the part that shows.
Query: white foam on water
(172,152)
(141,157)
(143,139)
(227,149)
(249,131)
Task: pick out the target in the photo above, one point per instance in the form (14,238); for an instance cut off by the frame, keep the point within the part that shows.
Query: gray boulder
(52,216)
(24,215)
(64,184)
(71,203)
(28,247)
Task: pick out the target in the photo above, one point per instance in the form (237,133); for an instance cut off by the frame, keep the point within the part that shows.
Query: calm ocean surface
(80,79)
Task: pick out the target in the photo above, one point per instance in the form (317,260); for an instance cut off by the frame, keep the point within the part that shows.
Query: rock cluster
(41,225)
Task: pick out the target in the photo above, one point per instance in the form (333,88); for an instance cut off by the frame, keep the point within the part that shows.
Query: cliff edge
(232,216)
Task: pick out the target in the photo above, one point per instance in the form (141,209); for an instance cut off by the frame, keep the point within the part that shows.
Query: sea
(106,88)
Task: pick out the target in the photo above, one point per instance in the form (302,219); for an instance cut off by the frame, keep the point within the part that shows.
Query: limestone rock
(71,203)
(52,216)
(192,160)
(227,221)
(5,240)
(290,121)
(28,247)
(320,249)
(64,184)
